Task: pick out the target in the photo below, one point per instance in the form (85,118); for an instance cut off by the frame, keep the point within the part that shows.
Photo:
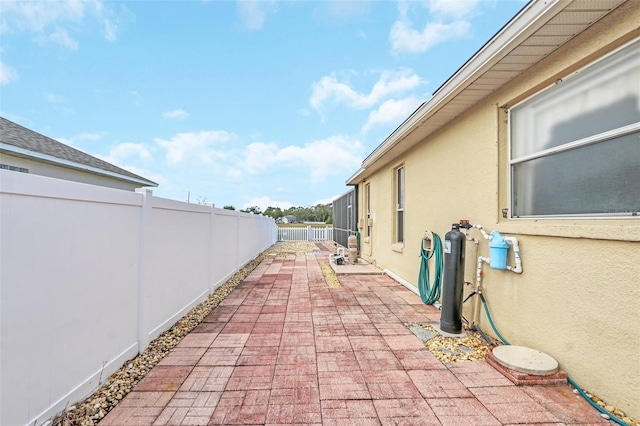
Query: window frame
(576,144)
(399,195)
(367,208)
(13,168)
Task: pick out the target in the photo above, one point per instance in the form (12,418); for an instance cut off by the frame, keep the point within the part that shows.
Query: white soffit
(541,28)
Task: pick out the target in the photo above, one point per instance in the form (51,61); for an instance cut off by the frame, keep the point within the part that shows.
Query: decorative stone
(421,333)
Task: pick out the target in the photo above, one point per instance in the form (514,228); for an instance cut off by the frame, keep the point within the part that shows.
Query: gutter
(11,149)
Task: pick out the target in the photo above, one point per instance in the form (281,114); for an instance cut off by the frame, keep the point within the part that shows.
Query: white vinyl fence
(90,275)
(309,233)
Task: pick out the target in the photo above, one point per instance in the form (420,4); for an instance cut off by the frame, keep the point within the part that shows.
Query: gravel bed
(453,349)
(95,407)
(329,275)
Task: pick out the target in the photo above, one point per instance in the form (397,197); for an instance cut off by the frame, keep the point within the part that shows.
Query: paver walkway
(283,348)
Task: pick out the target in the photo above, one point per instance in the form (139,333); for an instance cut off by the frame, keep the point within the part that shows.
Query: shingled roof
(34,145)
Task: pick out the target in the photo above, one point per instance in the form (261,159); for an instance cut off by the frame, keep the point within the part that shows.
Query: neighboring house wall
(23,148)
(577,298)
(59,172)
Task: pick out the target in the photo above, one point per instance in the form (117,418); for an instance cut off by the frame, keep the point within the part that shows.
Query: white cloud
(90,136)
(37,16)
(72,141)
(58,103)
(126,151)
(265,201)
(326,200)
(50,19)
(334,12)
(323,158)
(200,146)
(254,13)
(405,38)
(7,74)
(61,36)
(392,111)
(152,176)
(110,30)
(452,8)
(329,89)
(176,114)
(53,98)
(259,157)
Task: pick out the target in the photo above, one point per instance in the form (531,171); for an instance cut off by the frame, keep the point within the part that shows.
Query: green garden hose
(430,292)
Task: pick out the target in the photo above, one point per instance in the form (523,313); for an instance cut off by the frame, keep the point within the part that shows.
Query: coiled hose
(574,384)
(430,292)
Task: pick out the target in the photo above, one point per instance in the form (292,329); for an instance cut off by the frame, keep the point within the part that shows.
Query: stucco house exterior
(538,136)
(23,150)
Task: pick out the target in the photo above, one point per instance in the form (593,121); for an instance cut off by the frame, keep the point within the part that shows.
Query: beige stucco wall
(66,173)
(578,297)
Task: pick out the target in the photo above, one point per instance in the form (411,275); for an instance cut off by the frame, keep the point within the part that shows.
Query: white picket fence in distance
(90,275)
(308,233)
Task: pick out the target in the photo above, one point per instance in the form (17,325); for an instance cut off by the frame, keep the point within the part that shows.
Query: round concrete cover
(525,360)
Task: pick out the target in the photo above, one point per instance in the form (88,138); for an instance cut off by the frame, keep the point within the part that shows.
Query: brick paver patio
(283,348)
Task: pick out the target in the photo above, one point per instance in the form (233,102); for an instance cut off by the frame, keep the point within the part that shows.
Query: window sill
(624,230)
(397,247)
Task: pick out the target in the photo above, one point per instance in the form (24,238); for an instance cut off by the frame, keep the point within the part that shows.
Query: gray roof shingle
(21,137)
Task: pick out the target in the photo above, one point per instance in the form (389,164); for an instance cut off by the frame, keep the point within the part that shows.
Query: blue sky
(266,103)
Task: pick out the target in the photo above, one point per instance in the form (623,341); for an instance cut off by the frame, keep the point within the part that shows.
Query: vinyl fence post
(143,333)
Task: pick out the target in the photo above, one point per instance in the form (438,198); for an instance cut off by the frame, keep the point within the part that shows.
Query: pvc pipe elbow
(484,233)
(513,241)
(515,269)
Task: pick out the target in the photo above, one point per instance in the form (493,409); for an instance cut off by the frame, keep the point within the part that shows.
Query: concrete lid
(525,360)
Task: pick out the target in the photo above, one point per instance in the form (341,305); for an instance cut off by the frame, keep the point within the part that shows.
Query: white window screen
(367,194)
(575,148)
(400,204)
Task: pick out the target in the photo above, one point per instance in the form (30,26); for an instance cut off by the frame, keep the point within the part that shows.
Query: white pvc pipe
(484,234)
(513,241)
(476,307)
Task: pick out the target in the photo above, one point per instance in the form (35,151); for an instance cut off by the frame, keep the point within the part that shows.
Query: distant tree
(252,209)
(229,208)
(274,212)
(317,213)
(324,212)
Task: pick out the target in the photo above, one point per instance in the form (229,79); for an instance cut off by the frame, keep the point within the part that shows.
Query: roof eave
(12,149)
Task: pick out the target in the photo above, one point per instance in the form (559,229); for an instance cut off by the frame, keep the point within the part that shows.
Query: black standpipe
(453,280)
